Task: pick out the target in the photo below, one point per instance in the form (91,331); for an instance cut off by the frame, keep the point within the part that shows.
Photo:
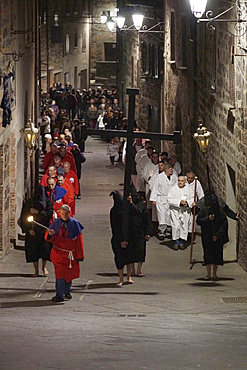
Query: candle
(30,219)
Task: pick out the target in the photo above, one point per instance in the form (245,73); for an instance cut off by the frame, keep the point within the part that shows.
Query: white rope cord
(70,254)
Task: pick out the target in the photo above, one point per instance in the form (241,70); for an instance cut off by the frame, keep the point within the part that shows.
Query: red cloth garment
(69,198)
(44,178)
(72,177)
(48,160)
(64,255)
(70,158)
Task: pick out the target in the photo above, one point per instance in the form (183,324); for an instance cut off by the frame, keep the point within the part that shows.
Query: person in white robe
(149,170)
(142,151)
(163,182)
(193,184)
(176,164)
(140,184)
(180,208)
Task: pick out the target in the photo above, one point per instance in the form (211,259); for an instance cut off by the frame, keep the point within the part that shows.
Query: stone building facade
(18,52)
(140,65)
(65,32)
(79,48)
(102,45)
(204,77)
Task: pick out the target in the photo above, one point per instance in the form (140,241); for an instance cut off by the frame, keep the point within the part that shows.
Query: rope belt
(70,254)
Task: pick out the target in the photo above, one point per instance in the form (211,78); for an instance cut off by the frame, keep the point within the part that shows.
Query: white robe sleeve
(154,193)
(200,192)
(145,172)
(174,200)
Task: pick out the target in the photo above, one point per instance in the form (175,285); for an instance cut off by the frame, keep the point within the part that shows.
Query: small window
(184,39)
(172,36)
(75,7)
(156,62)
(75,40)
(84,42)
(66,44)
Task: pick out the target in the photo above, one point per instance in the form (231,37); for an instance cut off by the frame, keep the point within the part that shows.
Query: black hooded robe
(35,245)
(122,256)
(139,227)
(213,251)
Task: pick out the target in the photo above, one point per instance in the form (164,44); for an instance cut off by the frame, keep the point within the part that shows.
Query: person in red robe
(56,194)
(51,172)
(69,197)
(48,159)
(66,156)
(72,177)
(65,233)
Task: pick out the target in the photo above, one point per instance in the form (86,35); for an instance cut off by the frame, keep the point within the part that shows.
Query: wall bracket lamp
(198,8)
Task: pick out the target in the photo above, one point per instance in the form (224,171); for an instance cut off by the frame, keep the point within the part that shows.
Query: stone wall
(179,81)
(15,15)
(211,87)
(99,32)
(223,111)
(75,26)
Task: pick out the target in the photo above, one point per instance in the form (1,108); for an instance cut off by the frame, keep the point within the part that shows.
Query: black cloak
(35,246)
(213,251)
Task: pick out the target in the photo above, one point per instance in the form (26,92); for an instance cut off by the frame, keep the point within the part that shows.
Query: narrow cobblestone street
(169,319)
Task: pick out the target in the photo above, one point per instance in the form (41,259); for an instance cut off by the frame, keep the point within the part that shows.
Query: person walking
(180,204)
(36,247)
(214,226)
(164,181)
(112,150)
(139,231)
(124,254)
(65,233)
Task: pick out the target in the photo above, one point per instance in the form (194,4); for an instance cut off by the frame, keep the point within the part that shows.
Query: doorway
(83,79)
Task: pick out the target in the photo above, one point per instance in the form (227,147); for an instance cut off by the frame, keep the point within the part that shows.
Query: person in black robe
(40,207)
(124,253)
(139,230)
(214,226)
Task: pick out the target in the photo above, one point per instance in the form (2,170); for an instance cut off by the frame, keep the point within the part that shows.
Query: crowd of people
(174,202)
(161,196)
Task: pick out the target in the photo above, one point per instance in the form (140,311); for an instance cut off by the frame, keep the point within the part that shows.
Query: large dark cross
(130,134)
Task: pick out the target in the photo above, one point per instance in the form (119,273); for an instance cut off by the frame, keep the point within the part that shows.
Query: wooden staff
(193,223)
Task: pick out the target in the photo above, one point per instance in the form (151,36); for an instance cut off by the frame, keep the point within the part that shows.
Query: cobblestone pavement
(169,319)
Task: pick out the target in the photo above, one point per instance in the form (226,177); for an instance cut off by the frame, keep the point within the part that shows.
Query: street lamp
(120,20)
(110,24)
(138,19)
(103,17)
(30,133)
(198,7)
(202,136)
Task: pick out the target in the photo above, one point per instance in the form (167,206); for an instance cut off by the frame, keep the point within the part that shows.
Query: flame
(30,219)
